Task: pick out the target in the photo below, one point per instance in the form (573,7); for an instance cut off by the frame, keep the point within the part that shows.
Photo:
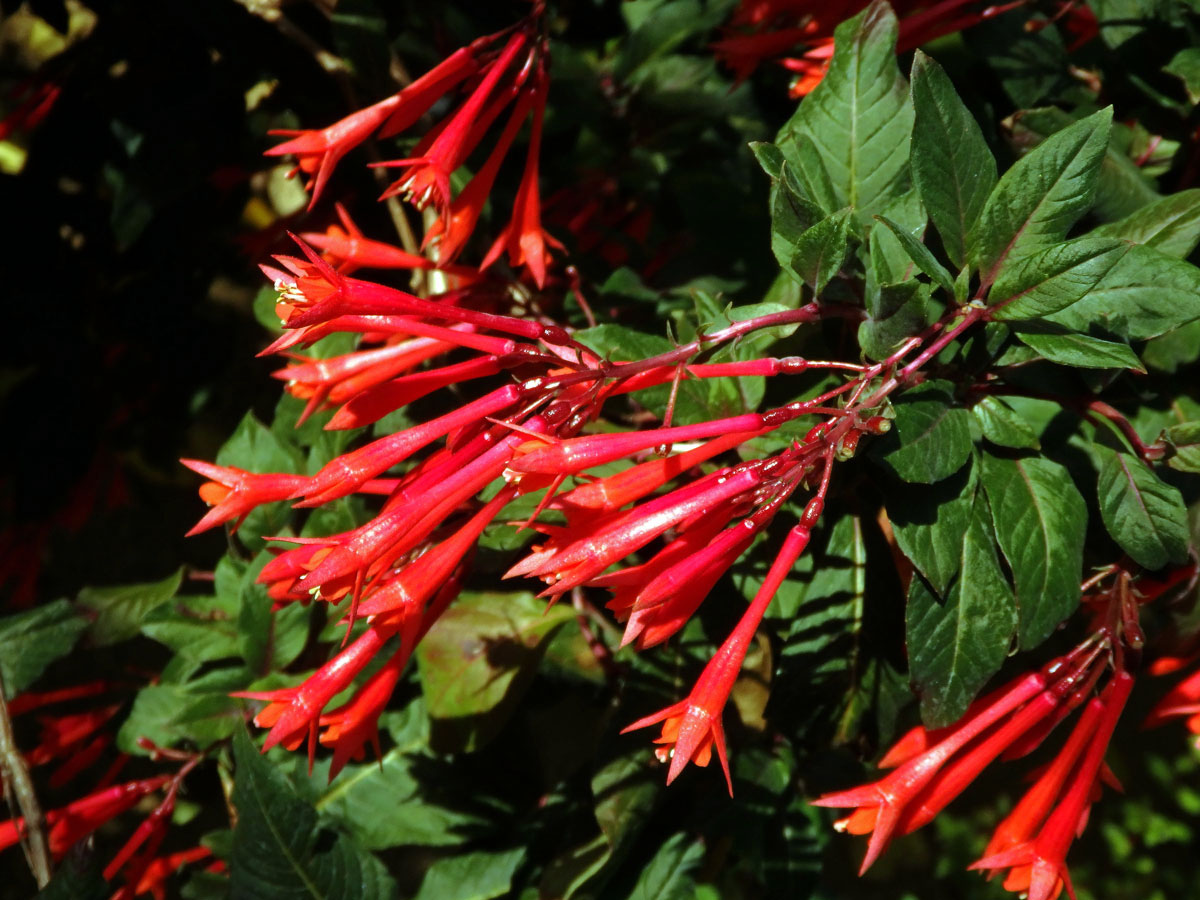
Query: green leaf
(279,851)
(1002,425)
(1053,278)
(1082,351)
(1170,225)
(929,524)
(477,661)
(1185,441)
(471,876)
(624,789)
(120,610)
(31,640)
(1121,20)
(859,117)
(200,712)
(930,439)
(955,646)
(952,167)
(200,628)
(791,216)
(1041,196)
(1169,352)
(384,804)
(668,876)
(77,878)
(1146,294)
(1040,520)
(920,255)
(1185,65)
(820,251)
(1143,514)
(899,311)
(888,261)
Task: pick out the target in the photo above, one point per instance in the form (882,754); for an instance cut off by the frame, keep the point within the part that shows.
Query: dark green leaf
(1185,441)
(32,640)
(1053,278)
(952,167)
(889,262)
(669,876)
(900,311)
(1185,65)
(1175,349)
(478,659)
(955,646)
(1146,294)
(383,804)
(791,216)
(920,255)
(1121,20)
(278,848)
(78,877)
(819,252)
(1082,351)
(1041,196)
(1040,520)
(1144,515)
(930,439)
(929,524)
(859,117)
(471,876)
(1170,225)
(120,610)
(1003,426)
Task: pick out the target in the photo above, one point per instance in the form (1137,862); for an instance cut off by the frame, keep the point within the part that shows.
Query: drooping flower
(523,238)
(70,824)
(692,727)
(318,151)
(233,493)
(1038,866)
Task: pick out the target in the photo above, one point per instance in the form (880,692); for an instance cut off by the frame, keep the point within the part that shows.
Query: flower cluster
(503,75)
(77,741)
(768,29)
(932,767)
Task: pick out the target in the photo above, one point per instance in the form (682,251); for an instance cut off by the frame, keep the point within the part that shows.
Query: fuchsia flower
(318,152)
(1038,866)
(692,727)
(233,493)
(70,824)
(524,238)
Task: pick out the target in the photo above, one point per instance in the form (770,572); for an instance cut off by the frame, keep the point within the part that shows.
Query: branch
(17,782)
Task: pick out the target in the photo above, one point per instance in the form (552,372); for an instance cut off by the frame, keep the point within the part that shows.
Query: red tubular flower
(445,150)
(351,250)
(583,556)
(318,152)
(337,379)
(881,805)
(373,403)
(153,879)
(70,824)
(233,493)
(1183,700)
(1028,815)
(450,232)
(692,727)
(1038,866)
(523,238)
(293,713)
(576,454)
(349,727)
